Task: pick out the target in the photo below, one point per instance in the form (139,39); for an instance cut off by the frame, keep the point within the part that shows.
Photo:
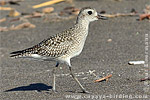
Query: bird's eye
(89,12)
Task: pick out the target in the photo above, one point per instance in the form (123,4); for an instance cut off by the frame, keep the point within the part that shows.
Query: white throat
(83,24)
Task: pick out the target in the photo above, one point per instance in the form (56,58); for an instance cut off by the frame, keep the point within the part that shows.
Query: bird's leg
(54,75)
(73,76)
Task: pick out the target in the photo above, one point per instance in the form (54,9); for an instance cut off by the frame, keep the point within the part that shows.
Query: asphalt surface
(23,79)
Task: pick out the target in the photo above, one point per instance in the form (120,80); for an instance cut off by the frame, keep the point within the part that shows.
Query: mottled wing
(53,47)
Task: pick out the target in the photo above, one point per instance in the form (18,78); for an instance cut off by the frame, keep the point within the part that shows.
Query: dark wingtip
(16,52)
(12,56)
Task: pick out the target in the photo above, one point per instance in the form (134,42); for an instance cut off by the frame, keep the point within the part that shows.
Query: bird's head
(89,14)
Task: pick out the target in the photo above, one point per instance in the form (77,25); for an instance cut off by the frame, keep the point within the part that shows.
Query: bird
(63,46)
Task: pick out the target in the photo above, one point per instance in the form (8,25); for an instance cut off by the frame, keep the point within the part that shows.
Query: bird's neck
(82,27)
(84,24)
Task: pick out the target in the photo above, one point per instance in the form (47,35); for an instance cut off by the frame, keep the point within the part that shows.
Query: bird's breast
(78,44)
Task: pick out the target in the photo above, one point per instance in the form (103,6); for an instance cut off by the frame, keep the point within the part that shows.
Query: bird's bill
(100,16)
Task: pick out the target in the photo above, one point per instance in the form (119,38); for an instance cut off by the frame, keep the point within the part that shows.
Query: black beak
(100,16)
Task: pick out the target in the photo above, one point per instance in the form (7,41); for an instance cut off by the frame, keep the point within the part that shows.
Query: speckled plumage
(61,46)
(65,45)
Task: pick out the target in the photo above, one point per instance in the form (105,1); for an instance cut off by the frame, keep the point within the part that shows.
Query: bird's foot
(85,91)
(54,91)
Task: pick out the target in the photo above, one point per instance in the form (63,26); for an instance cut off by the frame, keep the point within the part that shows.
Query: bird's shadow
(32,87)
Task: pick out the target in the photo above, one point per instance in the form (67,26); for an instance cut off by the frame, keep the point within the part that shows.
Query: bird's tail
(23,53)
(17,54)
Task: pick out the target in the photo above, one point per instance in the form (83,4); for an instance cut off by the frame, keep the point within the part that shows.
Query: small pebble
(109,40)
(136,62)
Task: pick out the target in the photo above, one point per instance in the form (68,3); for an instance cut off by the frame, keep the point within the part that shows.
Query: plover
(65,45)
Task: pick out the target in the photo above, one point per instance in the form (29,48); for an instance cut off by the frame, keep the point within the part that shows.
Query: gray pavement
(23,79)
